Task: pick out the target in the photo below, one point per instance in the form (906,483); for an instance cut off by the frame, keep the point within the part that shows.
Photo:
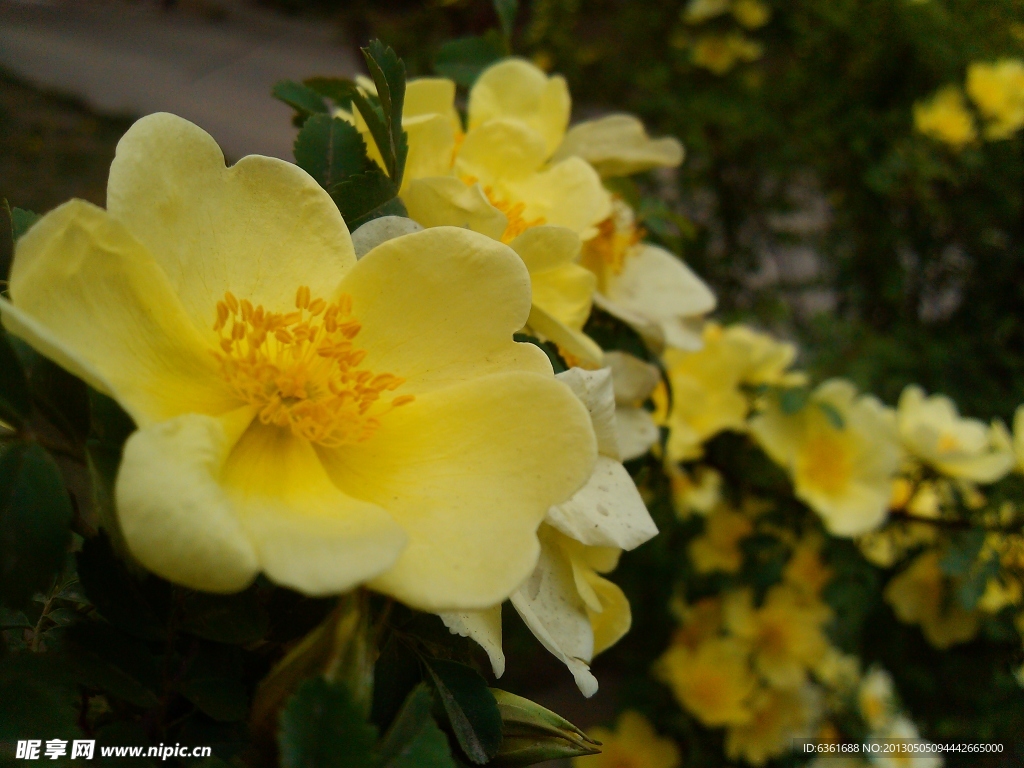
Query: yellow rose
(719,548)
(714,682)
(776,718)
(325,421)
(632,744)
(918,595)
(998,91)
(945,117)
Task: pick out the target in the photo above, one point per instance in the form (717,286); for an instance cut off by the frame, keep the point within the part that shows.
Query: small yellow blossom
(919,595)
(876,699)
(842,471)
(698,622)
(699,11)
(713,682)
(720,53)
(805,571)
(698,490)
(933,431)
(718,549)
(776,717)
(998,91)
(632,744)
(945,117)
(751,13)
(785,634)
(301,413)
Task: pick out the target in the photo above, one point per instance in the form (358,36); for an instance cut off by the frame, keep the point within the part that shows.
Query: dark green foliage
(470,706)
(463,60)
(329,149)
(304,100)
(414,740)
(15,400)
(321,727)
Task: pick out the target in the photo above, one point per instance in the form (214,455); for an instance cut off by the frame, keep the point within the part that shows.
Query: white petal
(632,378)
(635,431)
(484,627)
(594,389)
(380,230)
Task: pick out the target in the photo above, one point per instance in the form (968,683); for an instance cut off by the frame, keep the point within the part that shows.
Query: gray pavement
(134,58)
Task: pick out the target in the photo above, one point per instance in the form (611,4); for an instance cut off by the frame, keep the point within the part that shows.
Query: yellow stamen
(517,223)
(301,375)
(611,246)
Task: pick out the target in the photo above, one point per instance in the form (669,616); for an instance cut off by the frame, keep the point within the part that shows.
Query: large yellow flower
(945,117)
(776,717)
(714,682)
(843,472)
(633,744)
(325,421)
(998,91)
(919,595)
(933,431)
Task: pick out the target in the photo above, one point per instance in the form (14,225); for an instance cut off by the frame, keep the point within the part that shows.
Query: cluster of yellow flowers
(719,52)
(997,91)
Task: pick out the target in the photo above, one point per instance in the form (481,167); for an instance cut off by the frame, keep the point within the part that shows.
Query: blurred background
(812,200)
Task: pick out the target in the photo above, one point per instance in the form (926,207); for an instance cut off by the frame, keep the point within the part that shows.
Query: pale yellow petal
(566,293)
(440,306)
(431,147)
(177,518)
(469,471)
(444,201)
(500,150)
(554,611)
(633,379)
(608,511)
(431,96)
(259,229)
(308,535)
(567,194)
(568,339)
(650,331)
(615,617)
(483,627)
(88,295)
(517,89)
(660,287)
(636,432)
(594,390)
(380,230)
(544,248)
(618,145)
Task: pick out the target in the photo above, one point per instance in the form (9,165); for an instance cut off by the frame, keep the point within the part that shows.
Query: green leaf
(330,149)
(507,11)
(388,73)
(395,674)
(832,414)
(233,619)
(15,399)
(21,220)
(471,708)
(117,594)
(110,661)
(363,196)
(320,727)
(962,552)
(37,696)
(304,100)
(611,333)
(414,740)
(35,512)
(464,58)
(971,589)
(60,396)
(213,681)
(110,426)
(793,400)
(336,89)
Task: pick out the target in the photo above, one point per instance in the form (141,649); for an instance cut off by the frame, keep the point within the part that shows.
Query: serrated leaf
(362,195)
(299,97)
(330,150)
(464,58)
(832,414)
(35,512)
(388,73)
(320,727)
(793,400)
(414,740)
(21,220)
(337,89)
(507,11)
(471,708)
(15,398)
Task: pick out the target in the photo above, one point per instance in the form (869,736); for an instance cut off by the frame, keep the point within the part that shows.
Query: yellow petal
(431,96)
(308,535)
(440,306)
(554,611)
(469,472)
(568,339)
(543,248)
(483,627)
(431,147)
(566,293)
(86,294)
(567,194)
(607,511)
(517,89)
(615,618)
(500,149)
(445,201)
(176,517)
(618,145)
(661,288)
(258,229)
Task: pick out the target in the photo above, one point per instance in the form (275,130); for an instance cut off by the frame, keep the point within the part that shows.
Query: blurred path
(135,58)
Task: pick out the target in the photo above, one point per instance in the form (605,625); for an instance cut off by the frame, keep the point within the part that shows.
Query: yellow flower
(646,286)
(720,53)
(998,91)
(699,491)
(919,595)
(751,13)
(876,699)
(776,717)
(325,421)
(618,145)
(718,549)
(805,571)
(699,11)
(569,607)
(768,360)
(713,682)
(785,634)
(945,117)
(933,431)
(632,744)
(844,473)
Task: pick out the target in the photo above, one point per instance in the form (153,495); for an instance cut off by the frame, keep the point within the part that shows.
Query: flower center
(301,369)
(826,464)
(948,443)
(517,223)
